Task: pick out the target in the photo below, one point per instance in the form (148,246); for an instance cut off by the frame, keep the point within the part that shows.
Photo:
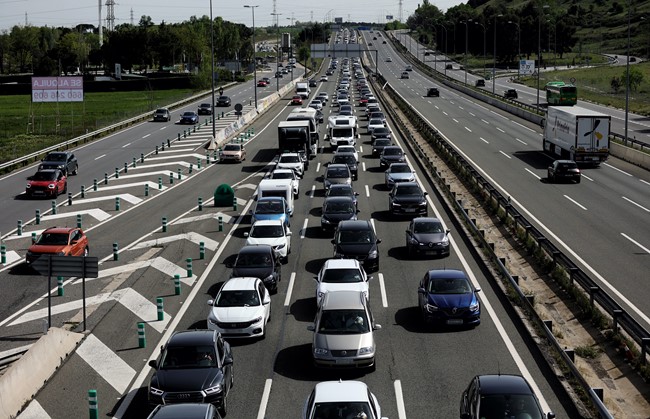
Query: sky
(69,13)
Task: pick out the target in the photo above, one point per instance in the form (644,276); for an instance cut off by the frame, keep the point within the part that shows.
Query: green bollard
(234,203)
(53,207)
(59,286)
(161,313)
(198,163)
(171,178)
(78,220)
(95,185)
(201,250)
(92,404)
(33,237)
(141,157)
(146,189)
(142,339)
(164,224)
(214,156)
(207,158)
(179,173)
(116,255)
(194,128)
(177,284)
(220,223)
(252,131)
(19,228)
(159,182)
(184,133)
(117,173)
(3,254)
(83,191)
(189,267)
(190,168)
(69,198)
(38,217)
(200,204)
(117,203)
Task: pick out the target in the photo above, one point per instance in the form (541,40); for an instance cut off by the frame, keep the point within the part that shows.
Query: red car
(59,241)
(296,100)
(261,83)
(47,183)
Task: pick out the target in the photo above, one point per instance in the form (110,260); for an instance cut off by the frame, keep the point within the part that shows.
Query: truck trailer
(576,133)
(295,137)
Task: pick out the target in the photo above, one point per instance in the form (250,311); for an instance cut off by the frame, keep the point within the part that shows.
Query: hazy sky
(69,13)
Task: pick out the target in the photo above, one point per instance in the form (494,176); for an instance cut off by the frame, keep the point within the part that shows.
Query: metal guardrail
(621,317)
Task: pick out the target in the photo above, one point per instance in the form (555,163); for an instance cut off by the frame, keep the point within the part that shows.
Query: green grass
(27,127)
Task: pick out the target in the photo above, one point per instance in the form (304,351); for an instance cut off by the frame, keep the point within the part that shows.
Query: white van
(342,130)
(277,187)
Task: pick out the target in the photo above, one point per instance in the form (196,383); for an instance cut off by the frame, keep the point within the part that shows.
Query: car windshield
(44,176)
(181,357)
(223,98)
(238,298)
(400,168)
(261,231)
(55,157)
(337,173)
(408,190)
(449,286)
(188,114)
(343,322)
(567,166)
(161,111)
(232,147)
(253,260)
(342,276)
(338,410)
(339,208)
(342,132)
(343,159)
(509,406)
(427,227)
(53,238)
(355,236)
(376,121)
(392,152)
(340,192)
(380,131)
(289,159)
(205,105)
(382,142)
(282,175)
(269,207)
(345,149)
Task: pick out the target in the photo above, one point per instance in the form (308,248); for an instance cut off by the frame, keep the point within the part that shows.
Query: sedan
(261,83)
(380,132)
(258,261)
(427,236)
(391,154)
(323,78)
(352,397)
(407,198)
(241,309)
(375,123)
(323,97)
(59,241)
(341,275)
(296,100)
(189,117)
(232,152)
(343,190)
(446,297)
(47,183)
(337,209)
(316,104)
(348,149)
(379,144)
(563,170)
(223,101)
(205,109)
(337,174)
(398,172)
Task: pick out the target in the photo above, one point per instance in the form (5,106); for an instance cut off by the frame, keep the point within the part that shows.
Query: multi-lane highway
(420,372)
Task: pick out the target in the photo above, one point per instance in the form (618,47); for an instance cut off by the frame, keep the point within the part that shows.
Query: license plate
(344,361)
(409,210)
(455,321)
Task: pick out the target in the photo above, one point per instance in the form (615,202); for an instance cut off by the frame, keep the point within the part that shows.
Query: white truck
(302,89)
(342,130)
(575,133)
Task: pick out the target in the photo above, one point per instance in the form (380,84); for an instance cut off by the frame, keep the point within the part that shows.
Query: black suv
(510,94)
(563,170)
(195,366)
(223,101)
(500,396)
(356,239)
(408,198)
(433,92)
(205,109)
(65,161)
(350,160)
(479,83)
(259,261)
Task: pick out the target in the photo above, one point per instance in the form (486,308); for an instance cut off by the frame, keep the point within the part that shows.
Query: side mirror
(315,278)
(246,234)
(356,194)
(447,232)
(550,415)
(333,241)
(370,278)
(376,327)
(420,290)
(153,364)
(250,211)
(30,177)
(378,241)
(229,265)
(266,299)
(289,233)
(358,210)
(390,194)
(311,328)
(426,193)
(477,289)
(227,360)
(210,302)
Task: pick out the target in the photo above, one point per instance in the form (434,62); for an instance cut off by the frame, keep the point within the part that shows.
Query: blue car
(271,208)
(189,118)
(446,297)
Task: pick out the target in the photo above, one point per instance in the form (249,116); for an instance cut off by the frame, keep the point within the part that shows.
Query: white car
(348,149)
(375,123)
(341,275)
(241,309)
(291,161)
(351,398)
(288,174)
(323,97)
(272,232)
(323,78)
(316,104)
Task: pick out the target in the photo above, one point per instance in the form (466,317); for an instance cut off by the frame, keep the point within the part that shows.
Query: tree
(636,77)
(303,55)
(616,84)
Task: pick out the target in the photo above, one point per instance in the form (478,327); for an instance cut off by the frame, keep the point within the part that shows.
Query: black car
(427,236)
(223,101)
(195,366)
(563,170)
(185,411)
(342,189)
(500,396)
(408,198)
(479,83)
(278,75)
(65,161)
(391,154)
(449,67)
(259,261)
(379,144)
(510,94)
(433,92)
(162,114)
(313,83)
(337,209)
(356,239)
(189,117)
(350,160)
(205,109)
(380,132)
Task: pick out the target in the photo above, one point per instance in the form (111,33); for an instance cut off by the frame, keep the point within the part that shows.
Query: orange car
(59,241)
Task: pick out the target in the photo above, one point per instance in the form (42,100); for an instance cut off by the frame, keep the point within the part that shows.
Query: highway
(420,372)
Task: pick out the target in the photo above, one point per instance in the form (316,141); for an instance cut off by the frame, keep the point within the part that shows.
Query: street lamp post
(254,53)
(278,51)
(465,66)
(518,44)
(539,47)
(214,127)
(494,64)
(482,26)
(627,67)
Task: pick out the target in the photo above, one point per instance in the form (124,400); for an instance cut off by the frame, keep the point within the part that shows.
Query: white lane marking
(501,116)
(367,191)
(645,249)
(106,362)
(505,154)
(634,203)
(587,177)
(145,136)
(484,140)
(523,142)
(499,129)
(460,107)
(360,149)
(382,288)
(287,299)
(162,128)
(468,129)
(34,411)
(436,106)
(126,145)
(304,228)
(313,189)
(617,169)
(471,114)
(575,202)
(646,182)
(318,167)
(363,166)
(399,398)
(97,158)
(261,413)
(455,120)
(523,126)
(445,113)
(487,122)
(534,174)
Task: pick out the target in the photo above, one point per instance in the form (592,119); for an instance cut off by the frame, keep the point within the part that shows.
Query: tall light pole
(434,53)
(279,51)
(214,127)
(254,53)
(518,45)
(482,26)
(539,47)
(465,66)
(627,67)
(494,64)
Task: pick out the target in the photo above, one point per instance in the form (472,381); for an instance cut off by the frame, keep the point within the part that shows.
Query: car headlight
(475,306)
(423,204)
(366,351)
(395,204)
(279,246)
(431,308)
(258,319)
(444,241)
(325,220)
(51,186)
(412,240)
(155,392)
(269,278)
(60,166)
(372,254)
(213,389)
(320,351)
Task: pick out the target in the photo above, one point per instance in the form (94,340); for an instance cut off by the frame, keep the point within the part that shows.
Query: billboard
(57,89)
(389,17)
(338,20)
(526,67)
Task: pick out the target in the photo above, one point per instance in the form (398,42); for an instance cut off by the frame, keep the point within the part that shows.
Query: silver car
(398,172)
(343,331)
(335,174)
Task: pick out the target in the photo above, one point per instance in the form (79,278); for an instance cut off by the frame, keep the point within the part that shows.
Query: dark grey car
(427,236)
(391,154)
(350,160)
(337,209)
(65,161)
(259,261)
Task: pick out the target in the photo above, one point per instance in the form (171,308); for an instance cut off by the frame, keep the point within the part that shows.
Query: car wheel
(76,170)
(578,180)
(86,251)
(223,409)
(65,188)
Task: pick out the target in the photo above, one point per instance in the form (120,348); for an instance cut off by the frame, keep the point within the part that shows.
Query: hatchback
(563,170)
(59,241)
(205,109)
(337,209)
(407,198)
(47,183)
(427,236)
(350,160)
(271,232)
(335,174)
(446,297)
(258,261)
(341,275)
(189,118)
(223,101)
(391,154)
(162,114)
(379,144)
(357,240)
(342,189)
(352,398)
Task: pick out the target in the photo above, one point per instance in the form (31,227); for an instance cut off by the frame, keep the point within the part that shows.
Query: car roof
(447,273)
(503,384)
(338,198)
(355,225)
(341,264)
(271,198)
(406,184)
(240,283)
(337,166)
(47,171)
(192,337)
(59,230)
(268,223)
(393,147)
(185,410)
(426,220)
(340,391)
(256,248)
(342,300)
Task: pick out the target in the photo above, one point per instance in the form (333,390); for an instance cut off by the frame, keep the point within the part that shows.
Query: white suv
(341,275)
(272,232)
(354,398)
(291,161)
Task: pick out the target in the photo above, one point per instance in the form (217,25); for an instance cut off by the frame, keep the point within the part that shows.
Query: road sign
(66,266)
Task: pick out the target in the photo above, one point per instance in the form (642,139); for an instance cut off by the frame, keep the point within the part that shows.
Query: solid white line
(646,182)
(399,398)
(363,166)
(499,129)
(617,169)
(287,299)
(313,189)
(162,128)
(505,154)
(126,145)
(145,136)
(107,363)
(460,107)
(575,202)
(645,249)
(382,288)
(367,191)
(484,140)
(634,203)
(524,143)
(97,158)
(261,413)
(534,174)
(304,228)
